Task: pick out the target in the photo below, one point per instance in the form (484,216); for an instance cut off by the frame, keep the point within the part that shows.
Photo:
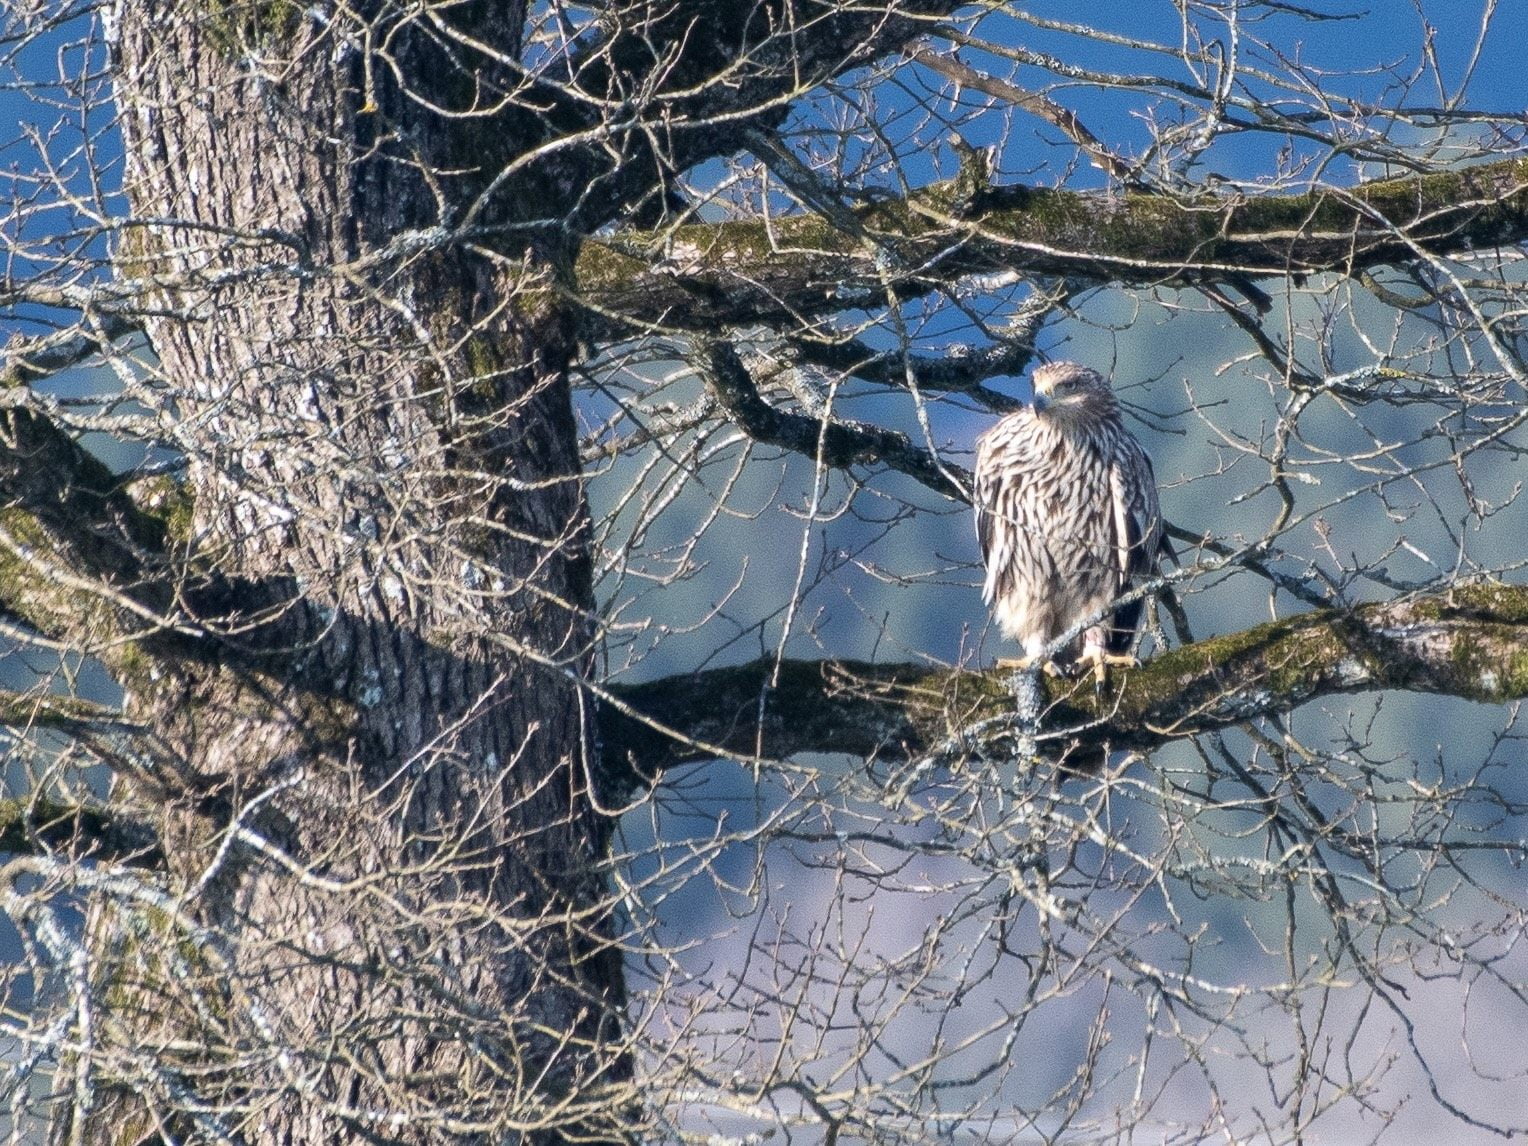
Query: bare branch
(835,442)
(1036,103)
(68,714)
(960,369)
(713,90)
(28,360)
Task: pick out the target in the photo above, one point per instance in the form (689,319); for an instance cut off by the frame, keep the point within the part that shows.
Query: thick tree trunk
(383,821)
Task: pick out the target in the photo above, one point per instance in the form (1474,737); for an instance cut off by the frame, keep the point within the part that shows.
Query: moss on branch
(1470,641)
(778,270)
(79,559)
(31,825)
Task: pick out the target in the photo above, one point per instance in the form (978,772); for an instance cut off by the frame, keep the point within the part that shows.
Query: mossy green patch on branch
(26,586)
(38,823)
(1494,600)
(1107,236)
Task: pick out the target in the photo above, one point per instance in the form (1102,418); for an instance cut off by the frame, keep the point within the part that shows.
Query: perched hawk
(1067,517)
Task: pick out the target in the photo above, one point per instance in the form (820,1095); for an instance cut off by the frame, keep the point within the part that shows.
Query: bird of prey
(1067,518)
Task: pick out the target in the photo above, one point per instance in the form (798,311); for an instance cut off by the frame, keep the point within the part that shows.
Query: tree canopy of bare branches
(491,634)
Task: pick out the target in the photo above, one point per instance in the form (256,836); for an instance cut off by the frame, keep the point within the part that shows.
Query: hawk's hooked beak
(1041,402)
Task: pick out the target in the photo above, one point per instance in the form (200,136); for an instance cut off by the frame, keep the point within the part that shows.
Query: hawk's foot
(1099,660)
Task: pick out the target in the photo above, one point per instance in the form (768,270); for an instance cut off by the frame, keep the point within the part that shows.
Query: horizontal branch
(1036,103)
(69,714)
(34,825)
(78,557)
(25,361)
(779,270)
(1470,642)
(83,561)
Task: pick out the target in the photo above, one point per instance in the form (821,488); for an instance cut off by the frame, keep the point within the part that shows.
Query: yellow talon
(1100,662)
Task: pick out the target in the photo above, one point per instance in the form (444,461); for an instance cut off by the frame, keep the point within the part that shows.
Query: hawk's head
(1068,392)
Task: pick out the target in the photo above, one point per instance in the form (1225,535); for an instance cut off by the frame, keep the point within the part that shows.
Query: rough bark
(403,847)
(383,914)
